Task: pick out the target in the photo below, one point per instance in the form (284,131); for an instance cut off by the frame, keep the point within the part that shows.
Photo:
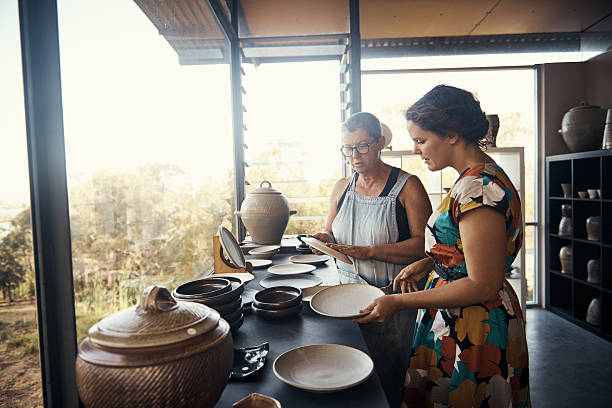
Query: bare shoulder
(413,185)
(339,188)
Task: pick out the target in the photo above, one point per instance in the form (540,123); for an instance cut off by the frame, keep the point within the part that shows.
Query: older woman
(377,217)
(469,347)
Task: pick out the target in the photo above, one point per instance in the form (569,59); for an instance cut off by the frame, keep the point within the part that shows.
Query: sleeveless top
(368,220)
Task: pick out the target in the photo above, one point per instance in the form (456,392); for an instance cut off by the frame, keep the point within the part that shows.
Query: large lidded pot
(582,127)
(158,353)
(265,213)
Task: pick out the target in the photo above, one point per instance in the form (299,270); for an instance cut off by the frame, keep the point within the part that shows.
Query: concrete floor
(568,366)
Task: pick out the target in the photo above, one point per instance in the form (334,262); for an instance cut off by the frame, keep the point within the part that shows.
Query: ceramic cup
(567,190)
(582,194)
(593,193)
(593,271)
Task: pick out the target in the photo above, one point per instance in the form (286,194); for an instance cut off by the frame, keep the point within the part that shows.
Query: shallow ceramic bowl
(257,401)
(225,308)
(276,298)
(233,315)
(203,288)
(237,287)
(235,325)
(265,252)
(276,314)
(593,193)
(582,194)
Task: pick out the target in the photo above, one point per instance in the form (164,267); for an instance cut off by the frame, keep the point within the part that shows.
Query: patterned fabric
(476,355)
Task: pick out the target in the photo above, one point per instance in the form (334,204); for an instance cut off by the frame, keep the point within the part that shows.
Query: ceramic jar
(593,228)
(491,137)
(593,271)
(265,213)
(607,136)
(593,315)
(158,353)
(565,258)
(582,127)
(565,225)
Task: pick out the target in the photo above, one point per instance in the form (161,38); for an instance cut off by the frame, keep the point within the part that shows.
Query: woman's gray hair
(366,121)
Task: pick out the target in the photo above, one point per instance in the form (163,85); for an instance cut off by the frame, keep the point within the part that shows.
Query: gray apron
(366,220)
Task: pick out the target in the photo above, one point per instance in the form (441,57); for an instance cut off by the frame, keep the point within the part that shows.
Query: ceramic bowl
(265,252)
(236,289)
(592,193)
(257,401)
(225,308)
(276,298)
(582,194)
(233,315)
(203,288)
(276,314)
(235,324)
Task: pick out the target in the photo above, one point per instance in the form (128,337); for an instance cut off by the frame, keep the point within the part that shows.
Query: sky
(128,102)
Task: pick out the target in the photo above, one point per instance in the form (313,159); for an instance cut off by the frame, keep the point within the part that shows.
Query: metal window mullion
(355,57)
(49,200)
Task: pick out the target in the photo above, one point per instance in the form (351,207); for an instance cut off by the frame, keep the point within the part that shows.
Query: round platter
(323,367)
(230,247)
(260,263)
(344,301)
(311,259)
(291,269)
(315,243)
(297,281)
(244,277)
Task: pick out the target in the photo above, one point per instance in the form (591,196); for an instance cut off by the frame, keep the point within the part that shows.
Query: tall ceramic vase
(565,225)
(607,136)
(565,257)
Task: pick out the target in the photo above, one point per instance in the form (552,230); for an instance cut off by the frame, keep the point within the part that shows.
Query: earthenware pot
(593,228)
(565,257)
(607,136)
(565,225)
(491,137)
(265,213)
(582,127)
(161,352)
(593,315)
(593,271)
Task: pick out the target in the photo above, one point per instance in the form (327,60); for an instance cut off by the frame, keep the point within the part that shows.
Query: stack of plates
(226,300)
(277,303)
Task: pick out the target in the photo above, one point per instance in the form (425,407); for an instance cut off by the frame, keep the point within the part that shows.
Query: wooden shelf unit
(569,295)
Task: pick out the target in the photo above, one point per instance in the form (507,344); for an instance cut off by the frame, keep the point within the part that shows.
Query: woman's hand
(324,237)
(409,276)
(355,251)
(381,309)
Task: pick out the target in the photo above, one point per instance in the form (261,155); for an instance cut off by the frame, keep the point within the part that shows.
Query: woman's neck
(372,178)
(469,155)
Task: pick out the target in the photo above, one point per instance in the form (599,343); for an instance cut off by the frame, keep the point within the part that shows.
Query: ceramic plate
(344,301)
(260,263)
(309,259)
(231,248)
(264,249)
(291,269)
(308,293)
(315,243)
(244,277)
(296,281)
(323,367)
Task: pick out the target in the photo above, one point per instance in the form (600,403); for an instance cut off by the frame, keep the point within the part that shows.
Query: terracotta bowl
(277,298)
(276,314)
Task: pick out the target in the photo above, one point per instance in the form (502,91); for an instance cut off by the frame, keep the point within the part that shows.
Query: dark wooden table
(301,330)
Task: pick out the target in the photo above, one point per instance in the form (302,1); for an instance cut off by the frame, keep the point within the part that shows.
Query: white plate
(311,259)
(244,277)
(315,243)
(323,367)
(344,301)
(259,263)
(308,293)
(296,281)
(266,249)
(291,269)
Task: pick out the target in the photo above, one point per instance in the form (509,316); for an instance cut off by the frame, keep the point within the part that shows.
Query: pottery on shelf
(593,315)
(567,190)
(582,127)
(491,136)
(593,193)
(593,271)
(265,213)
(565,225)
(593,228)
(565,258)
(160,352)
(607,136)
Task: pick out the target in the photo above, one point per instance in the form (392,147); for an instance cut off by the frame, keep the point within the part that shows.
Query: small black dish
(277,298)
(276,314)
(303,249)
(248,360)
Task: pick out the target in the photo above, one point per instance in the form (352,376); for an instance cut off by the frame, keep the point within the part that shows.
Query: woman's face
(434,150)
(362,162)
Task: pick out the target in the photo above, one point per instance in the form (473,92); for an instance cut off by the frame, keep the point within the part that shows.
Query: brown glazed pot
(582,127)
(161,353)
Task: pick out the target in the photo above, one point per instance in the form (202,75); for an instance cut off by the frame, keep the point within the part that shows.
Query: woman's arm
(418,209)
(483,236)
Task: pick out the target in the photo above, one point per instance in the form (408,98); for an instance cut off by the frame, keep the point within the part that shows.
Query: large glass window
(509,93)
(148,149)
(293,135)
(20,378)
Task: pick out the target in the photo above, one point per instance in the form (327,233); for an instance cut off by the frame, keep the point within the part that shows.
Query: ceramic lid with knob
(158,320)
(265,190)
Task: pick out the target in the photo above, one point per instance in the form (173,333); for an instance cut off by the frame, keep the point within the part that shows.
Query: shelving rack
(569,294)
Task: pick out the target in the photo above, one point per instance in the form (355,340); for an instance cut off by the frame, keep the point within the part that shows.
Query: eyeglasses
(362,148)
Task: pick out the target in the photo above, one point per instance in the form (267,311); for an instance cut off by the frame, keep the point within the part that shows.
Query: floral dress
(476,355)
